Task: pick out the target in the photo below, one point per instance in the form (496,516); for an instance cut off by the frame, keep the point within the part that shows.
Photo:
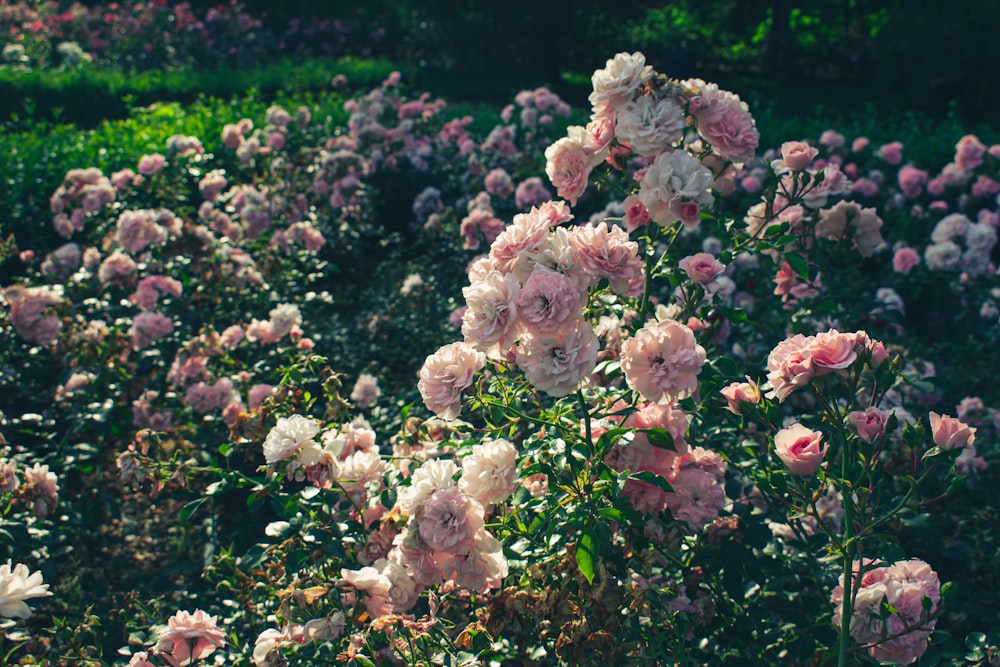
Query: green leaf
(652,478)
(388,498)
(799,264)
(585,555)
(660,438)
(190,509)
(931,453)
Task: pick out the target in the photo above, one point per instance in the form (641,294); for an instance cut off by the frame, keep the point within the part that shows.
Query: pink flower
(449,520)
(445,375)
(366,391)
(832,139)
(969,152)
(605,252)
(662,361)
(489,474)
(697,497)
(702,268)
(648,125)
(859,144)
(190,637)
(739,394)
(789,366)
(798,155)
(904,260)
(116,267)
(951,433)
(148,327)
(870,424)
(832,351)
(568,164)
(891,153)
(911,181)
(636,214)
(558,362)
(799,448)
(724,121)
(27,308)
(499,183)
(527,232)
(150,164)
(548,300)
(531,192)
(490,320)
(289,436)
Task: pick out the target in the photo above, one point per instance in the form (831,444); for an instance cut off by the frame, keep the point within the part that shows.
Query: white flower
(490,474)
(288,436)
(428,478)
(650,126)
(674,176)
(284,318)
(17,584)
(618,81)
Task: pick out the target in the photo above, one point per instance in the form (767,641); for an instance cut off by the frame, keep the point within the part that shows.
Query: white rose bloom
(672,176)
(617,82)
(650,126)
(428,478)
(18,584)
(950,227)
(980,237)
(288,436)
(284,318)
(942,256)
(489,474)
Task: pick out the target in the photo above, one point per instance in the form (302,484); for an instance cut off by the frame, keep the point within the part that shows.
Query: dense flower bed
(137,35)
(402,392)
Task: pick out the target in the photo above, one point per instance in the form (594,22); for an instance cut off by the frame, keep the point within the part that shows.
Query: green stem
(847,606)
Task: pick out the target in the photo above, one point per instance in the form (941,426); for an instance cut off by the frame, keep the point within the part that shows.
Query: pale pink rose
(870,424)
(366,391)
(490,320)
(662,361)
(604,252)
(697,497)
(969,152)
(968,462)
(832,139)
(148,327)
(449,520)
(265,648)
(891,153)
(375,585)
(445,375)
(558,362)
(140,659)
(548,300)
(799,448)
(432,476)
(150,164)
(499,183)
(789,366)
(702,267)
(859,144)
(911,181)
(739,394)
(832,350)
(27,312)
(724,121)
(568,165)
(951,433)
(190,637)
(43,486)
(636,214)
(904,260)
(358,470)
(618,82)
(147,292)
(204,397)
(531,192)
(674,176)
(489,474)
(798,155)
(600,133)
(525,235)
(117,267)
